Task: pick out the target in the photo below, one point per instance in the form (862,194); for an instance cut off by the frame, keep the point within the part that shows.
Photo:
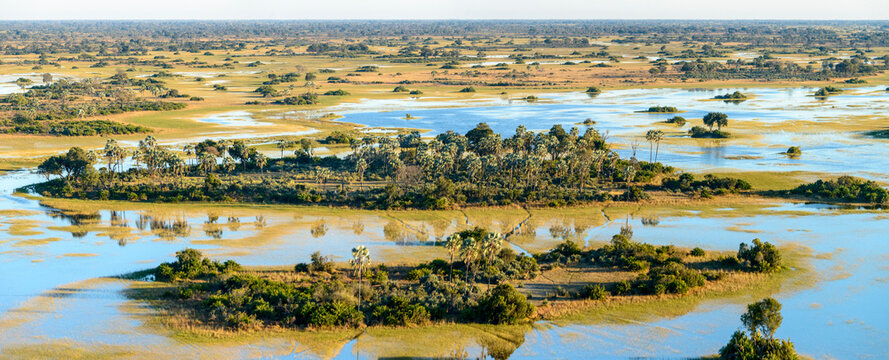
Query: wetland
(588,227)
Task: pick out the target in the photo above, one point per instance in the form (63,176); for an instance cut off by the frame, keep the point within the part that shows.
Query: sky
(443,9)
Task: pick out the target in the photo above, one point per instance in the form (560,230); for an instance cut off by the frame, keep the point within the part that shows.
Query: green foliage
(320,263)
(686,183)
(716,118)
(697,252)
(560,167)
(72,128)
(340,137)
(593,90)
(266,91)
(676,120)
(191,264)
(594,292)
(735,96)
(846,189)
(761,257)
(672,278)
(630,255)
(702,132)
(73,164)
(827,91)
(794,151)
(761,319)
(467,90)
(338,92)
(398,311)
(503,305)
(304,99)
(662,109)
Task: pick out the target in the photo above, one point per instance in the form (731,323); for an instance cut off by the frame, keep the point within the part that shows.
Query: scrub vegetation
(483,281)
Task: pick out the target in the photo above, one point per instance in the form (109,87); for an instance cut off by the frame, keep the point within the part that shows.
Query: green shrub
(398,311)
(676,120)
(191,264)
(662,109)
(844,188)
(338,92)
(761,257)
(594,292)
(503,305)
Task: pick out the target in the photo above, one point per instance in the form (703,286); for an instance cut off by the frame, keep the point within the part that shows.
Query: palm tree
(650,136)
(360,261)
(490,247)
(189,149)
(629,173)
(659,135)
(284,145)
(360,168)
(454,243)
(469,253)
(208,162)
(260,160)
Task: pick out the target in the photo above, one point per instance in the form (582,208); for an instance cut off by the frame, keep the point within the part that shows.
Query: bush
(687,183)
(761,257)
(827,91)
(397,311)
(622,288)
(673,278)
(339,137)
(662,109)
(635,193)
(503,305)
(844,188)
(676,120)
(697,252)
(735,96)
(304,99)
(467,90)
(594,292)
(191,264)
(338,92)
(320,263)
(702,132)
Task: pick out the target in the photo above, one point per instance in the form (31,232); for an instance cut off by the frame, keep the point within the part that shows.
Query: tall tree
(359,262)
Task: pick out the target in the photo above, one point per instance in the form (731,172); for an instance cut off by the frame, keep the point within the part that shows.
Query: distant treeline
(129,37)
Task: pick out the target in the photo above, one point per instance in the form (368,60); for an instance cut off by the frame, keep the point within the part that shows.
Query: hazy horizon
(442,10)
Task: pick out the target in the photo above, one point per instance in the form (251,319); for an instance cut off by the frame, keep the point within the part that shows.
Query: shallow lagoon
(845,304)
(49,257)
(767,122)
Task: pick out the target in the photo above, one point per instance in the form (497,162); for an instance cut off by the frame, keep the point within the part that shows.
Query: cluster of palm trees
(161,160)
(158,159)
(475,251)
(482,158)
(654,137)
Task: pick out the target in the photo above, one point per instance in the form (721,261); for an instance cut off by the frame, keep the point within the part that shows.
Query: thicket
(845,189)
